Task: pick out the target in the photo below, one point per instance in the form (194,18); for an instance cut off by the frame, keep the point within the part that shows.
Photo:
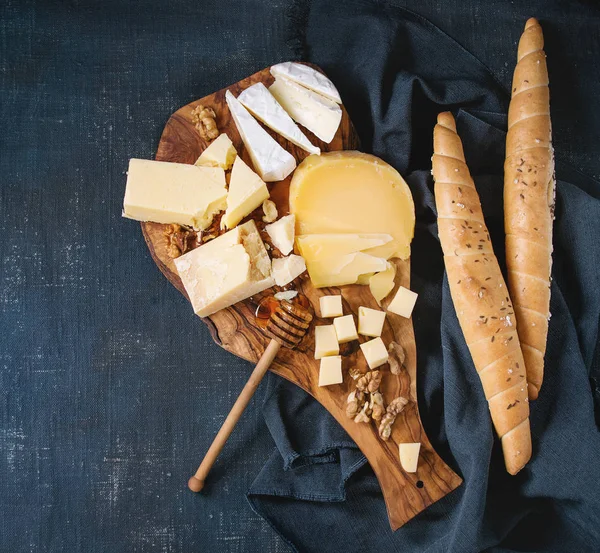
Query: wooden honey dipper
(286,322)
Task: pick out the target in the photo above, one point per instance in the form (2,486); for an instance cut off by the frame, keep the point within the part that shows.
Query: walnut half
(180,240)
(204,121)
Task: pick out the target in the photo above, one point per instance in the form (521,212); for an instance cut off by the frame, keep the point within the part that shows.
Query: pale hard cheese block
(319,115)
(318,246)
(330,371)
(345,269)
(326,341)
(225,270)
(403,302)
(345,329)
(331,306)
(381,284)
(286,269)
(262,104)
(174,193)
(307,77)
(270,160)
(220,153)
(375,353)
(409,456)
(370,321)
(352,192)
(247,191)
(282,233)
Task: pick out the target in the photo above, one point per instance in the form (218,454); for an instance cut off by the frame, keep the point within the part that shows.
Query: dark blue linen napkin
(396,71)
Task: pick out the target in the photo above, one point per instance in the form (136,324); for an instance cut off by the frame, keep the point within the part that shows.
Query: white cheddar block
(220,153)
(270,160)
(319,115)
(370,321)
(330,371)
(403,302)
(308,77)
(247,191)
(331,306)
(225,270)
(375,353)
(409,456)
(282,233)
(262,104)
(326,343)
(286,269)
(164,192)
(345,329)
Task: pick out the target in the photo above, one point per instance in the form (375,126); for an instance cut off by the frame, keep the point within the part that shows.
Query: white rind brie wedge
(270,160)
(261,103)
(308,77)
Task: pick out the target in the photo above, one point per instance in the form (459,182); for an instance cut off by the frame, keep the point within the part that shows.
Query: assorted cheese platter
(260,209)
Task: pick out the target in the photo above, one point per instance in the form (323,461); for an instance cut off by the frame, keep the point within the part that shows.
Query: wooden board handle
(196,482)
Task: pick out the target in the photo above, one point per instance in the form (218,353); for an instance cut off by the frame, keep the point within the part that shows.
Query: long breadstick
(480,296)
(529,186)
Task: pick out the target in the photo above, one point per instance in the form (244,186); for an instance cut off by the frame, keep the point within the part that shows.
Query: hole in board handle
(420,484)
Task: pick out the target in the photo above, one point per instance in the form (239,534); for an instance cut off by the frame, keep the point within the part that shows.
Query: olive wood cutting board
(234,328)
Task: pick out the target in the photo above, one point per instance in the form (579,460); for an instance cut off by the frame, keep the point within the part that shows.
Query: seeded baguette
(529,186)
(480,296)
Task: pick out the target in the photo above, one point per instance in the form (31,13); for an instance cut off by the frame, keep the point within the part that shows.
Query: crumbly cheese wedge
(286,269)
(343,269)
(319,115)
(220,153)
(261,103)
(247,191)
(225,270)
(174,193)
(270,160)
(282,233)
(308,77)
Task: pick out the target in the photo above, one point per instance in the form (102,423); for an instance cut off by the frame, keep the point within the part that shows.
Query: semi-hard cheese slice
(381,284)
(319,115)
(220,153)
(308,77)
(164,192)
(225,270)
(353,192)
(343,269)
(270,160)
(262,104)
(246,192)
(317,246)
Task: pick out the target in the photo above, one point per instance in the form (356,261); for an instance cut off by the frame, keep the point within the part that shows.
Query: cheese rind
(370,321)
(219,153)
(319,115)
(262,104)
(307,77)
(403,302)
(409,456)
(270,160)
(375,352)
(331,306)
(165,192)
(345,329)
(326,341)
(282,233)
(344,269)
(225,270)
(330,371)
(381,284)
(353,192)
(247,191)
(286,269)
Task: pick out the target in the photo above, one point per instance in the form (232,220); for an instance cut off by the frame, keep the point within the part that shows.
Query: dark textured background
(110,389)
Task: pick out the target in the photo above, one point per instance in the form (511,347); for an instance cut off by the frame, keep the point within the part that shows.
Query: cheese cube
(409,456)
(330,371)
(326,341)
(345,329)
(331,306)
(282,233)
(370,321)
(403,302)
(246,192)
(375,353)
(286,269)
(220,153)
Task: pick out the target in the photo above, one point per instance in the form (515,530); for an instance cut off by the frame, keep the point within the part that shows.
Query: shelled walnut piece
(393,410)
(396,358)
(180,240)
(203,119)
(369,382)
